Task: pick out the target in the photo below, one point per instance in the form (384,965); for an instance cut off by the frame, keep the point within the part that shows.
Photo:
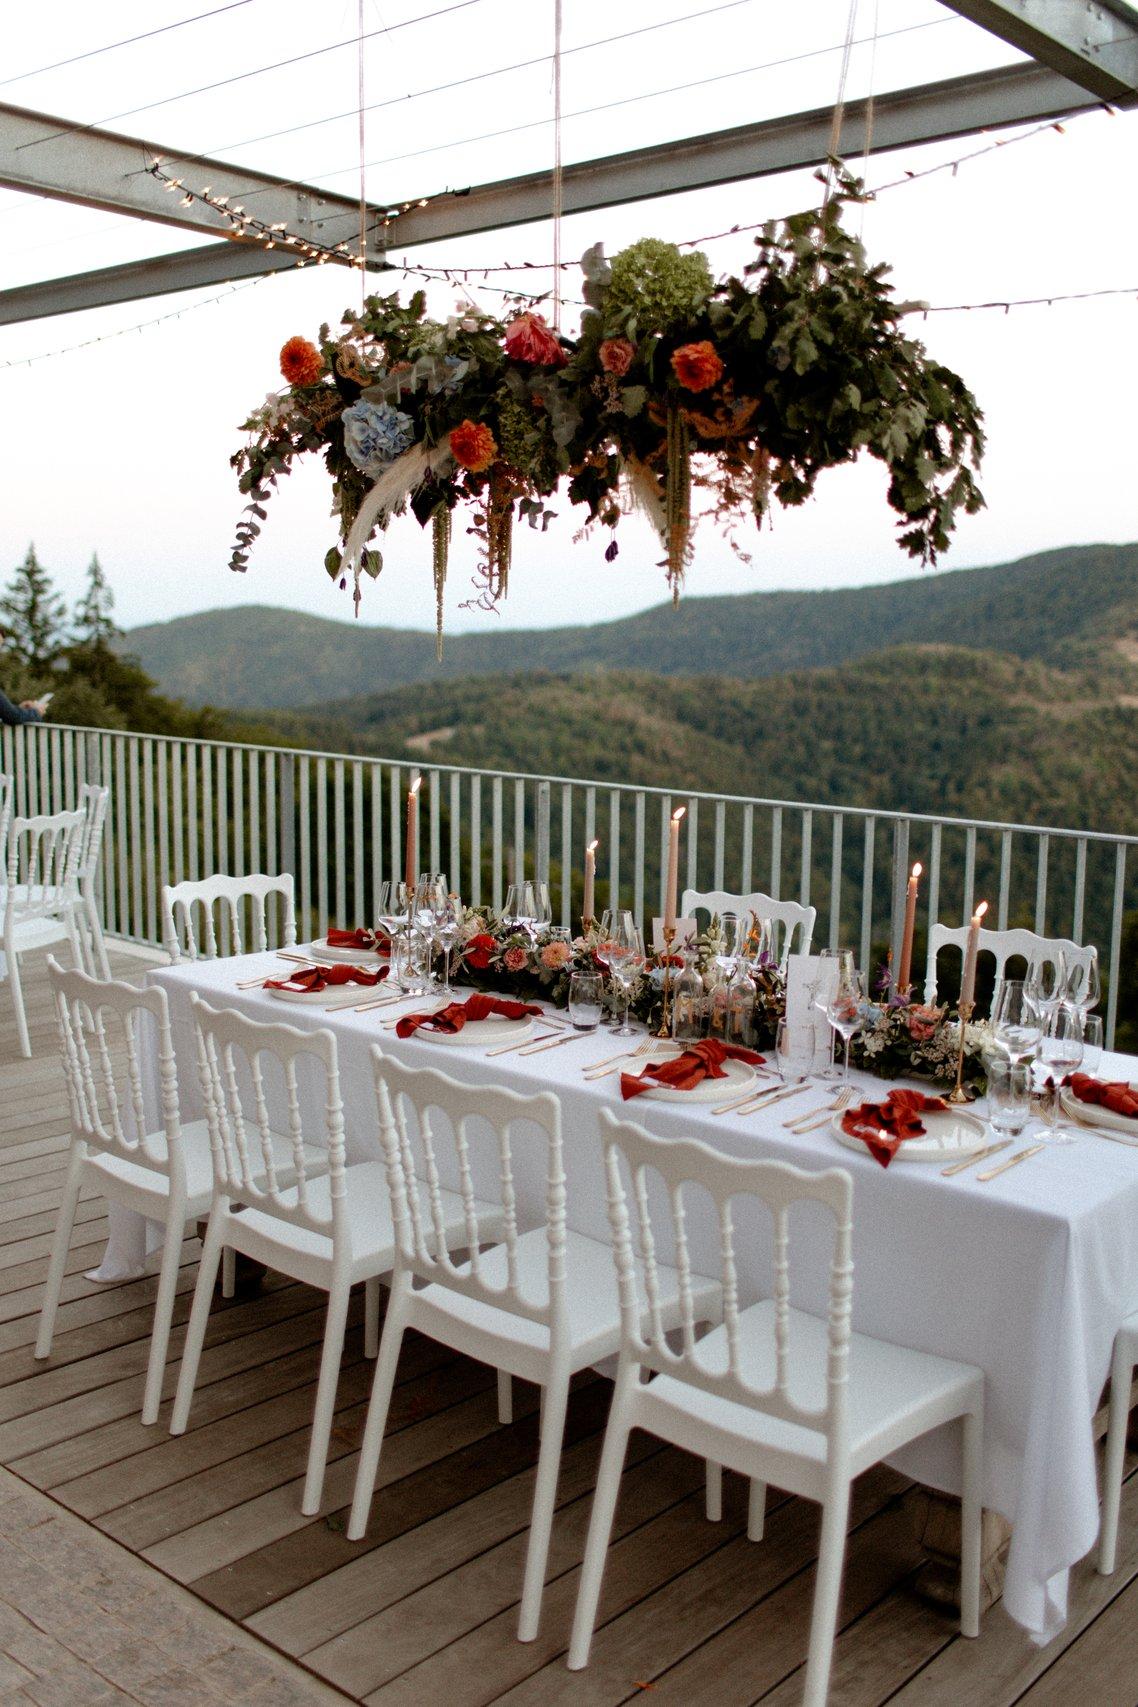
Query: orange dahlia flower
(696,366)
(473,445)
(301,362)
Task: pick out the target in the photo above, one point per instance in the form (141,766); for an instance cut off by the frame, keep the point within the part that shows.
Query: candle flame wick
(678,814)
(917,869)
(981,910)
(415,786)
(593,846)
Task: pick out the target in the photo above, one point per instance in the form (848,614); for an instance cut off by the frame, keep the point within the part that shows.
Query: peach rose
(616,356)
(514,959)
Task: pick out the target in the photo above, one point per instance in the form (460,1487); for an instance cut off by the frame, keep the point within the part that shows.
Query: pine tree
(93,623)
(32,614)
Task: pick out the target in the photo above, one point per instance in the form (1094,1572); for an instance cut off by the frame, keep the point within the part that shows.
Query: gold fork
(602,1069)
(809,1122)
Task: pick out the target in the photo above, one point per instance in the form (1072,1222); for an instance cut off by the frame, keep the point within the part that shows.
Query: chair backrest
(1004,946)
(784,917)
(250,1111)
(106,1030)
(93,801)
(415,1145)
(218,902)
(660,1210)
(43,861)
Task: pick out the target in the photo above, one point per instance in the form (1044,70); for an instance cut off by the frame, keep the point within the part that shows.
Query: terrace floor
(240,1596)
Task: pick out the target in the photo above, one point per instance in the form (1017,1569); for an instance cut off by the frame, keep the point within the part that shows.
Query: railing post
(541,869)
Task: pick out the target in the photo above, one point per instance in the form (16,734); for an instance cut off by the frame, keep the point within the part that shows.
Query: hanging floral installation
(744,390)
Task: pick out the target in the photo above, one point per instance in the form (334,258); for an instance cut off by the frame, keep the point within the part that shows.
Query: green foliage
(33,615)
(93,623)
(654,288)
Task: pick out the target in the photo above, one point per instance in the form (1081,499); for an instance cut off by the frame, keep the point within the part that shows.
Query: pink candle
(968,981)
(412,838)
(673,868)
(904,975)
(590,882)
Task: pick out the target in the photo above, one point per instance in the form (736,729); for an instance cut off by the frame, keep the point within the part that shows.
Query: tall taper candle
(412,837)
(673,868)
(589,913)
(904,974)
(968,980)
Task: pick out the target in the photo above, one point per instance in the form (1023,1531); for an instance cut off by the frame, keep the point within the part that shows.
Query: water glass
(794,1052)
(1092,1043)
(586,993)
(1009,1096)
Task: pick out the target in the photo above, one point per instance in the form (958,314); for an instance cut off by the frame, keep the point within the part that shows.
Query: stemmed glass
(1017,1024)
(445,930)
(1060,1052)
(1047,984)
(1082,989)
(619,941)
(844,1007)
(522,907)
(818,992)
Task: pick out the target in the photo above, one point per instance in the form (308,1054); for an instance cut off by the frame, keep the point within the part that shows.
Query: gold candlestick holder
(669,935)
(959,1094)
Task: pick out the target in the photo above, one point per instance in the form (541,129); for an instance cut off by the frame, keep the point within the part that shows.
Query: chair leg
(199,1320)
(61,1244)
(18,1000)
(505,1396)
(334,1325)
(713,1491)
(827,1591)
(556,1392)
(382,1382)
(971,1515)
(98,945)
(756,1509)
(228,1272)
(371,1316)
(1121,1371)
(600,1522)
(163,1313)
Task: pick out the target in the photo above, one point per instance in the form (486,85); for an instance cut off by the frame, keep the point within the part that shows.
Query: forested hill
(1065,607)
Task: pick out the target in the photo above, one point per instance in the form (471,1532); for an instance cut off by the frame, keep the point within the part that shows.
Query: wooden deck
(424,1608)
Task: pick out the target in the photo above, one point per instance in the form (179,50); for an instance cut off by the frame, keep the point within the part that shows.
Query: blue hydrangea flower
(375,434)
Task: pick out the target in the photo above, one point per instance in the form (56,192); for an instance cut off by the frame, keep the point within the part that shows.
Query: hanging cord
(835,148)
(870,110)
(557,177)
(363,161)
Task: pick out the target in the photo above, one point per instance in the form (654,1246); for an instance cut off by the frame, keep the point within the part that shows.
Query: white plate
(327,994)
(949,1136)
(739,1077)
(346,956)
(496,1029)
(1090,1114)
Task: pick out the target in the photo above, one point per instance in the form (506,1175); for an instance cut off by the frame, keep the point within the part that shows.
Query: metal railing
(186,808)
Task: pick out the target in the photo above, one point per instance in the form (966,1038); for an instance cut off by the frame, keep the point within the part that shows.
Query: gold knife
(971,1161)
(1012,1161)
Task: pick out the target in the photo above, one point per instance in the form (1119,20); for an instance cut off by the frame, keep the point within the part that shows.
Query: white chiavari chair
(774,1393)
(201,920)
(1003,946)
(41,896)
(540,1305)
(1124,1361)
(106,1032)
(783,917)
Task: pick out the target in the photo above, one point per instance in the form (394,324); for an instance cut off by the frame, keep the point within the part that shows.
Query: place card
(810,977)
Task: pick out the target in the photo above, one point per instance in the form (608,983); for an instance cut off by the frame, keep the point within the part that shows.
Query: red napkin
(362,940)
(683,1072)
(1114,1095)
(884,1126)
(453,1017)
(322,977)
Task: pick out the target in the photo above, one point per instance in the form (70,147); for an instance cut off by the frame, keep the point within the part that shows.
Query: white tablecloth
(1027,1277)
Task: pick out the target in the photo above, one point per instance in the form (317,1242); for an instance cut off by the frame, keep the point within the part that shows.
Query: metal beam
(902,118)
(1093,42)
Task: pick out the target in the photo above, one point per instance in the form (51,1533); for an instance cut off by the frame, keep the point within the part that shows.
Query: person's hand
(36,705)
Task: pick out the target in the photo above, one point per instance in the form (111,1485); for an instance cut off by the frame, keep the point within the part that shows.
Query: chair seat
(37,932)
(894,1394)
(130,1180)
(592,1302)
(370,1228)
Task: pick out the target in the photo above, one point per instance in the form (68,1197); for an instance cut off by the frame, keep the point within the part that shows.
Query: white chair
(775,1394)
(93,801)
(1003,946)
(784,917)
(326,1224)
(42,894)
(183,902)
(164,1173)
(1122,1367)
(540,1305)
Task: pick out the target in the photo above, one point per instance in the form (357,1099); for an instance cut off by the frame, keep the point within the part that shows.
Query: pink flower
(616,356)
(923,1023)
(514,959)
(528,339)
(555,955)
(479,951)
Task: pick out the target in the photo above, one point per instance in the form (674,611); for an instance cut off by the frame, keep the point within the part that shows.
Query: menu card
(810,978)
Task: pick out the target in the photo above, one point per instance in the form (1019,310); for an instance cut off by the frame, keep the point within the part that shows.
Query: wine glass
(819,990)
(843,1010)
(1047,983)
(1017,1024)
(445,931)
(1083,988)
(431,896)
(543,906)
(1060,1052)
(625,973)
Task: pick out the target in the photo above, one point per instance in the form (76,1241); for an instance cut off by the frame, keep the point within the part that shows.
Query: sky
(122,447)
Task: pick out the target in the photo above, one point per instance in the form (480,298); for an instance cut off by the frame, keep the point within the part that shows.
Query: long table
(1026,1277)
